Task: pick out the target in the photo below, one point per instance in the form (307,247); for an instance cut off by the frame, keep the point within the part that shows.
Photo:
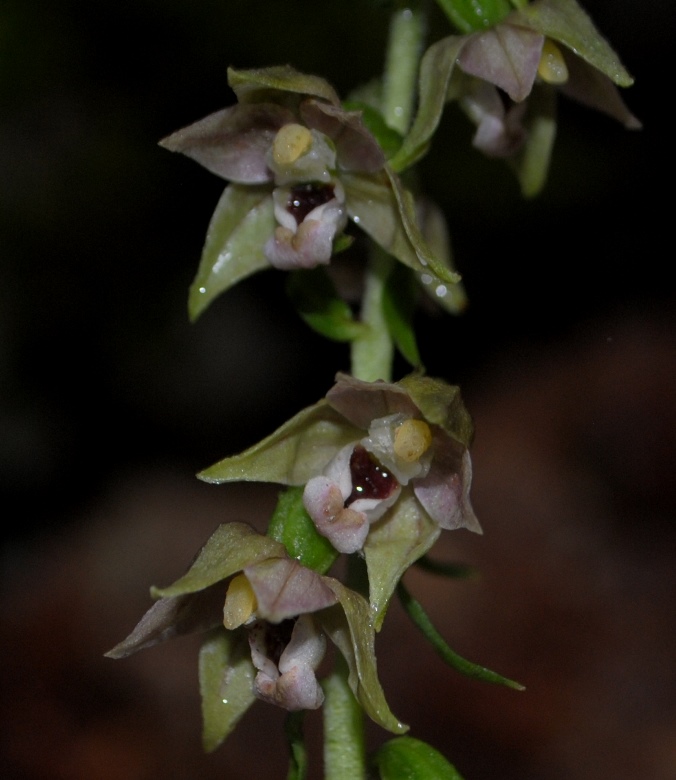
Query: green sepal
(565,21)
(385,210)
(233,249)
(293,527)
(460,664)
(470,15)
(228,550)
(399,300)
(315,298)
(348,625)
(436,67)
(293,454)
(262,84)
(441,404)
(407,757)
(226,676)
(395,542)
(388,138)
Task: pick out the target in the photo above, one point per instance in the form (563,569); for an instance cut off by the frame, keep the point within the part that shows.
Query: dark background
(568,337)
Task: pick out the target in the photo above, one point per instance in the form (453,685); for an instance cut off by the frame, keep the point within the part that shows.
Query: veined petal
(264,83)
(593,88)
(357,149)
(444,492)
(565,21)
(349,627)
(405,534)
(505,55)
(233,142)
(285,589)
(234,246)
(294,453)
(228,550)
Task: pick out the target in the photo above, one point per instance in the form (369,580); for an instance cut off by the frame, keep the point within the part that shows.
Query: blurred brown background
(110,401)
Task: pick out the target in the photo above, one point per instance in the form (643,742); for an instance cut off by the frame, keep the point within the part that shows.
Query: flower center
(412,439)
(369,478)
(240,602)
(552,67)
(304,198)
(291,142)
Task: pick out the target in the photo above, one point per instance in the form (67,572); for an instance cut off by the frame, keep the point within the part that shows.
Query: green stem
(372,354)
(404,49)
(344,746)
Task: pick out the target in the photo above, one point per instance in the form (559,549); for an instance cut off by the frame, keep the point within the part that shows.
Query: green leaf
(317,302)
(469,15)
(388,138)
(436,67)
(406,757)
(443,569)
(349,627)
(460,664)
(293,527)
(565,21)
(398,309)
(233,249)
(396,541)
(295,452)
(226,676)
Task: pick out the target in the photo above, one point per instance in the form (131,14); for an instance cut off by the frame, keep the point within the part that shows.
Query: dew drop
(426,279)
(441,290)
(202,290)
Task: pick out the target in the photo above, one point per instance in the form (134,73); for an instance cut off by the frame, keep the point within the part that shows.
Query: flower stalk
(379,467)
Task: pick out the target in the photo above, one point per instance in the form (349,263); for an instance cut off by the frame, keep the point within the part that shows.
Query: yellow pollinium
(240,602)
(552,67)
(412,439)
(291,142)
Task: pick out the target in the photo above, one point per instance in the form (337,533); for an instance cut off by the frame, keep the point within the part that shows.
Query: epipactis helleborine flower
(247,585)
(299,166)
(385,466)
(544,46)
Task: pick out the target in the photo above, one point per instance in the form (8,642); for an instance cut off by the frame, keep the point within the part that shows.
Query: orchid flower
(247,593)
(300,167)
(506,78)
(385,467)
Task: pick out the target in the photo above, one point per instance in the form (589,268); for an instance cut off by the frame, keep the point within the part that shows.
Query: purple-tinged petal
(171,617)
(233,142)
(285,589)
(362,402)
(506,56)
(596,90)
(357,149)
(500,132)
(312,243)
(444,492)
